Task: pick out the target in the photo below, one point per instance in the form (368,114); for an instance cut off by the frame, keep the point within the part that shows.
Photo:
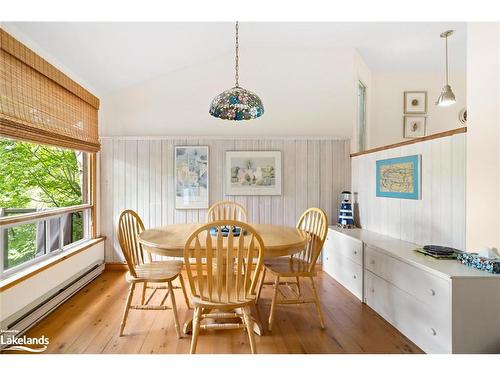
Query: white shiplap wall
(138,174)
(439,217)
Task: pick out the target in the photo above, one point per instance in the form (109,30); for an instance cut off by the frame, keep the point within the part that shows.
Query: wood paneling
(139,174)
(94,314)
(439,217)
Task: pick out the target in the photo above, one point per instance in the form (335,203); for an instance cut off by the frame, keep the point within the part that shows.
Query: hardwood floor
(89,323)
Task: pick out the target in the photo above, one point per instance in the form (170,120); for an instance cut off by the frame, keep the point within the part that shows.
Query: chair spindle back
(315,222)
(129,227)
(227,210)
(223,269)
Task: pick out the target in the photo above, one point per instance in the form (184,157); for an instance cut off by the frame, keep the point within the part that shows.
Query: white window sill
(11,280)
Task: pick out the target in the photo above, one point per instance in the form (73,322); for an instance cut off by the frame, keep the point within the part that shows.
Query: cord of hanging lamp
(236,103)
(447,97)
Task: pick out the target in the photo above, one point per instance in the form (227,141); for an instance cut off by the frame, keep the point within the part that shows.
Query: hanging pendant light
(237,103)
(447,97)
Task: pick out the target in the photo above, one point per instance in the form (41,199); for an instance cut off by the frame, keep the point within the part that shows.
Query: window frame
(89,219)
(361,126)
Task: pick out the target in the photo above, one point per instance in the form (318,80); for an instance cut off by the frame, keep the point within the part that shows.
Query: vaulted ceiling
(109,56)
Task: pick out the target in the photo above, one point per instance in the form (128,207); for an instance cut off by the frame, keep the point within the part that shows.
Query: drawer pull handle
(434,333)
(354,276)
(433,292)
(373,261)
(355,252)
(373,290)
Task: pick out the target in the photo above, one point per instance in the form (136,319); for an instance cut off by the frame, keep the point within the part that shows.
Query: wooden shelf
(447,133)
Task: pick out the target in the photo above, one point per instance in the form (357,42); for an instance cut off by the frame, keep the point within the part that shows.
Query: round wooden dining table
(169,240)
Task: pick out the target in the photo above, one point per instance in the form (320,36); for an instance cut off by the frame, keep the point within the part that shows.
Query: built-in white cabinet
(343,260)
(441,305)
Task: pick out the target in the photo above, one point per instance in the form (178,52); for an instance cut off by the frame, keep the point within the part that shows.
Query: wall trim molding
(222,137)
(447,133)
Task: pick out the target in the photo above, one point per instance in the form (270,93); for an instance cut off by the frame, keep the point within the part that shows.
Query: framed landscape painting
(253,173)
(191,177)
(399,177)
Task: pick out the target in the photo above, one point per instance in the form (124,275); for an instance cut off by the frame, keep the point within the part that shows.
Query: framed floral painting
(253,173)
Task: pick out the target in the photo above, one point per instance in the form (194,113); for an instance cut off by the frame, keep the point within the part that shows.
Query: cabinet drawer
(431,331)
(342,245)
(432,290)
(347,273)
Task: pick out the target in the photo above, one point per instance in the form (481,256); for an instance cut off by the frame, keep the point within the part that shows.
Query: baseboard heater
(33,316)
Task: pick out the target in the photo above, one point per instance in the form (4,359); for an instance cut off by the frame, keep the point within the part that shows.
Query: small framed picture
(414,126)
(415,102)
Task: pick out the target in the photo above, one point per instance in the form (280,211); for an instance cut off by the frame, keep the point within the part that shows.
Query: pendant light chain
(236,103)
(236,66)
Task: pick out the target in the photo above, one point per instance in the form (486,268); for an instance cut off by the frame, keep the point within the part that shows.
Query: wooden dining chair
(142,270)
(223,274)
(314,223)
(227,210)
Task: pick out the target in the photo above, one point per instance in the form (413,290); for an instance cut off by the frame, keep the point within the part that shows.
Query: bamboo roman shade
(41,104)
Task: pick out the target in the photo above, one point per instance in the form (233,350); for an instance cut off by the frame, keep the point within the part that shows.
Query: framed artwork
(399,177)
(253,173)
(191,177)
(414,126)
(415,102)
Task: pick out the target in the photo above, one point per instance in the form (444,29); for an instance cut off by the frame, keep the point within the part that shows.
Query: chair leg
(247,318)
(298,285)
(184,291)
(174,308)
(196,329)
(143,297)
(127,307)
(273,303)
(261,284)
(318,306)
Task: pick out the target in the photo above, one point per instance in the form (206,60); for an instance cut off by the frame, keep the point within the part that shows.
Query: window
(361,116)
(44,202)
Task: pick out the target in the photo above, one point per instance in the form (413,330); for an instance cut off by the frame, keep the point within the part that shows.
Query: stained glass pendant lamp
(447,97)
(237,103)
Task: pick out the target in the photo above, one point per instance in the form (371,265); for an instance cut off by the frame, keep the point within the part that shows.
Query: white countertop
(405,251)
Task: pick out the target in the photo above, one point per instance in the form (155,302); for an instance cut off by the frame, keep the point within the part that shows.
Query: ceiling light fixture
(236,103)
(447,97)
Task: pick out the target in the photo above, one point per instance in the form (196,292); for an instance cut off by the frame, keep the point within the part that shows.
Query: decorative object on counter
(489,252)
(225,231)
(481,263)
(415,102)
(253,173)
(439,252)
(414,126)
(447,97)
(346,218)
(237,103)
(398,177)
(462,116)
(191,177)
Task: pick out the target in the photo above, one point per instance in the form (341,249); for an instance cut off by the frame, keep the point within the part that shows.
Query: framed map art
(399,177)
